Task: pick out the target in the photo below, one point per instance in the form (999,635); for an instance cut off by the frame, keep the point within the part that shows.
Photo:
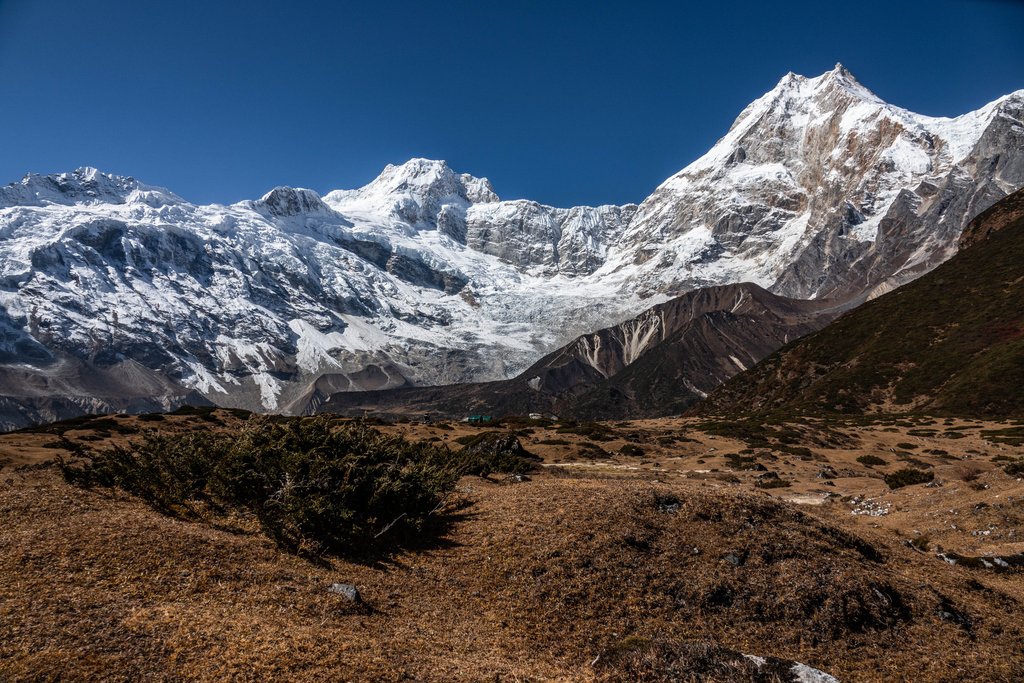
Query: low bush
(592,430)
(314,489)
(772,483)
(870,460)
(1014,469)
(907,477)
(922,543)
(204,412)
(489,452)
(745,463)
(1011,436)
(591,450)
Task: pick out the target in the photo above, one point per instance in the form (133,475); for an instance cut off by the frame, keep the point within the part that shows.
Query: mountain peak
(414,175)
(841,79)
(418,166)
(838,79)
(427,173)
(292,201)
(416,190)
(84,185)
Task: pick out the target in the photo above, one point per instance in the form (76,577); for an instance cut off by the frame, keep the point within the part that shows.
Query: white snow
(738,363)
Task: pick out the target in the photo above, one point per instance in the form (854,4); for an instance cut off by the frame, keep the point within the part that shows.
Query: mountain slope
(950,342)
(656,364)
(424,276)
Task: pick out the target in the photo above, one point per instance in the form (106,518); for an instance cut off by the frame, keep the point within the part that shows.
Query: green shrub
(907,477)
(1014,469)
(916,462)
(204,412)
(632,450)
(772,483)
(489,452)
(870,460)
(101,424)
(314,489)
(1011,436)
(592,430)
(592,450)
(745,463)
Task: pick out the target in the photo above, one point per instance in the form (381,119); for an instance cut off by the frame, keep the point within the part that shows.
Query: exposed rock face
(290,201)
(570,241)
(424,276)
(70,387)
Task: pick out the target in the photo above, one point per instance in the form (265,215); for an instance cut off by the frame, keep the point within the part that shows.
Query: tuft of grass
(969,472)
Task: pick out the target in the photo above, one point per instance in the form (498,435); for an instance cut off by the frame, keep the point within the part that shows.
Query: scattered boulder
(827,472)
(347,591)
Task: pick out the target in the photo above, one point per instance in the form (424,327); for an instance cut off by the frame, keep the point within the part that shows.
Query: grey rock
(347,591)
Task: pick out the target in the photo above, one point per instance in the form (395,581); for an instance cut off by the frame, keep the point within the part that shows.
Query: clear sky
(562,102)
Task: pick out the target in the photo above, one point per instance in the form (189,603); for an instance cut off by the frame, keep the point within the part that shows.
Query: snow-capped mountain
(822,189)
(118,295)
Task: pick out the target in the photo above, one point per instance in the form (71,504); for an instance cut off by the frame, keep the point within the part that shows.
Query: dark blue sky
(563,102)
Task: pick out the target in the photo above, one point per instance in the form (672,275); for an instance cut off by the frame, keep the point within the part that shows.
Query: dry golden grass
(534,580)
